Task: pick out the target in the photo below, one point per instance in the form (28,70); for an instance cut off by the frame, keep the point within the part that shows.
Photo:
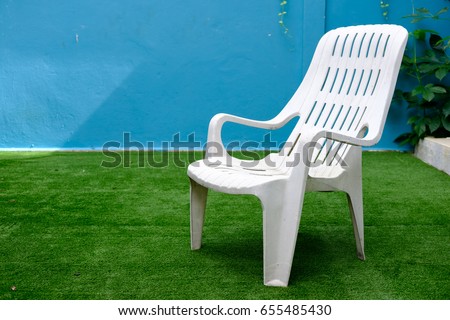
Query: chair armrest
(366,141)
(216,123)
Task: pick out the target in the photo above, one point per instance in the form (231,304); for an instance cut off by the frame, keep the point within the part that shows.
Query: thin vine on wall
(384,5)
(281,15)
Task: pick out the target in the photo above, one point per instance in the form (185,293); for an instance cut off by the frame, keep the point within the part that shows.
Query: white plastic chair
(342,104)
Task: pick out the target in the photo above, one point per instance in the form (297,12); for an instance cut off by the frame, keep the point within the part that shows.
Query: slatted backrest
(349,86)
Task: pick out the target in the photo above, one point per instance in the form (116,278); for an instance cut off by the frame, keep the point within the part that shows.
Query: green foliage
(428,63)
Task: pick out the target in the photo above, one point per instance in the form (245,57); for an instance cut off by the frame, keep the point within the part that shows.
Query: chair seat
(233,179)
(240,180)
(326,172)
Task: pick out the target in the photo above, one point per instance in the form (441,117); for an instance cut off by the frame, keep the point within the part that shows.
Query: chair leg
(355,203)
(281,221)
(355,197)
(198,205)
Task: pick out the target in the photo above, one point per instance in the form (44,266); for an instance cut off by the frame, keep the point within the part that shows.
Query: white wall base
(435,152)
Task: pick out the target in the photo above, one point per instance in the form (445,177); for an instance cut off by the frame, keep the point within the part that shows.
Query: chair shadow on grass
(314,256)
(317,256)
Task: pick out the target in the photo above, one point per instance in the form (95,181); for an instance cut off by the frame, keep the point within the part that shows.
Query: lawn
(72,229)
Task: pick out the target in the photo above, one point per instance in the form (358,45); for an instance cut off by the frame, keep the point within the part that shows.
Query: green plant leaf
(398,96)
(423,10)
(407,59)
(436,89)
(412,120)
(420,128)
(428,95)
(446,123)
(441,73)
(417,90)
(404,138)
(414,140)
(446,109)
(443,10)
(446,43)
(419,34)
(429,57)
(434,124)
(427,92)
(428,67)
(411,99)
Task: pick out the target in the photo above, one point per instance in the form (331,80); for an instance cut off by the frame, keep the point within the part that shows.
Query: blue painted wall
(78,74)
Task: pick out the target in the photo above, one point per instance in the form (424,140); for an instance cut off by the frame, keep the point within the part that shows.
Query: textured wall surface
(77,74)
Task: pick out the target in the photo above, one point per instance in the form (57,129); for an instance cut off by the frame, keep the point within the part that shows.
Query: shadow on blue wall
(220,61)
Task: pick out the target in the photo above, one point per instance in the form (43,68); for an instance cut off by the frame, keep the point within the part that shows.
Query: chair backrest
(349,85)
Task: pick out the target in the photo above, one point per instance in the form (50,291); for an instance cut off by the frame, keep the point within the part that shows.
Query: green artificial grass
(71,229)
